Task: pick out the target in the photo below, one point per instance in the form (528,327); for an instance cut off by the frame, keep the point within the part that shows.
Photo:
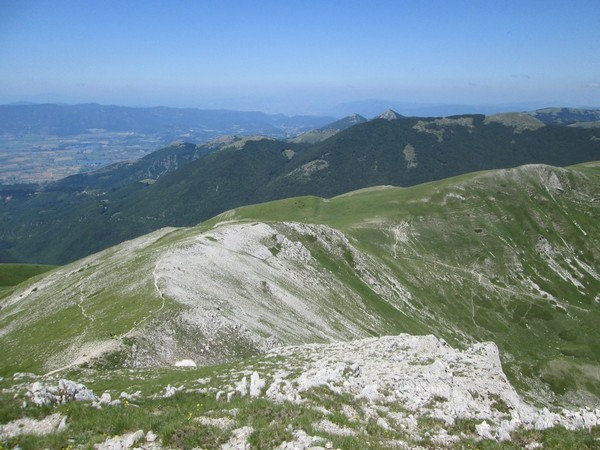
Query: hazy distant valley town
(269,225)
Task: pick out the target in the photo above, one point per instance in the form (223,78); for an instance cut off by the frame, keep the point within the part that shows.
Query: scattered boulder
(302,441)
(170,391)
(239,439)
(329,427)
(42,394)
(23,375)
(242,388)
(218,422)
(256,385)
(484,430)
(70,390)
(105,399)
(136,439)
(370,392)
(130,397)
(185,363)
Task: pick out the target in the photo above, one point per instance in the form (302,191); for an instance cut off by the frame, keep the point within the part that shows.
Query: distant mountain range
(170,123)
(372,107)
(182,185)
(40,143)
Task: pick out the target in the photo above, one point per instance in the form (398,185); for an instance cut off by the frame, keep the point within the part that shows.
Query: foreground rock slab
(423,376)
(50,424)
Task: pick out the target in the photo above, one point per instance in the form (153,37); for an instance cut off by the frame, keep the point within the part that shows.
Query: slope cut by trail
(505,256)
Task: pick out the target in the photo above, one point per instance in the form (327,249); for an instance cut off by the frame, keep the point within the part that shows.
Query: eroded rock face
(424,375)
(255,286)
(420,372)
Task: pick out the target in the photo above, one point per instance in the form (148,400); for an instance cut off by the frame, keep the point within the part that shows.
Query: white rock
(484,430)
(242,388)
(589,419)
(534,445)
(327,426)
(71,390)
(105,399)
(218,422)
(49,424)
(21,375)
(40,395)
(238,439)
(130,397)
(546,419)
(370,392)
(151,437)
(256,385)
(503,435)
(381,422)
(185,363)
(282,390)
(301,441)
(123,442)
(506,427)
(170,391)
(349,412)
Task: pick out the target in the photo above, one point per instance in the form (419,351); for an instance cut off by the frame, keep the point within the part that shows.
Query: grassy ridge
(510,256)
(499,256)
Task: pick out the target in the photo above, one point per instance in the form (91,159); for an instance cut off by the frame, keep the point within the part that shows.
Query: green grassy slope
(511,256)
(13,274)
(504,254)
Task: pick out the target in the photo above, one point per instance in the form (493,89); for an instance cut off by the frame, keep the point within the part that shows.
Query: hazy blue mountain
(567,116)
(371,108)
(64,120)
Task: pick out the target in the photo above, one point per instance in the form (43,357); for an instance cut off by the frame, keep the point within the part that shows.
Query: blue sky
(298,57)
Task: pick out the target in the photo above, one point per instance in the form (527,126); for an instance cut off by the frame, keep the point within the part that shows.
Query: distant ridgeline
(185,184)
(168,123)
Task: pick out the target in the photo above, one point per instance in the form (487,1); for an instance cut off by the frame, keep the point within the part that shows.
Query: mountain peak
(320,134)
(345,122)
(355,119)
(390,114)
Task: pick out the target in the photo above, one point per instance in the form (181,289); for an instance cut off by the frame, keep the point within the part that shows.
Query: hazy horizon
(309,58)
